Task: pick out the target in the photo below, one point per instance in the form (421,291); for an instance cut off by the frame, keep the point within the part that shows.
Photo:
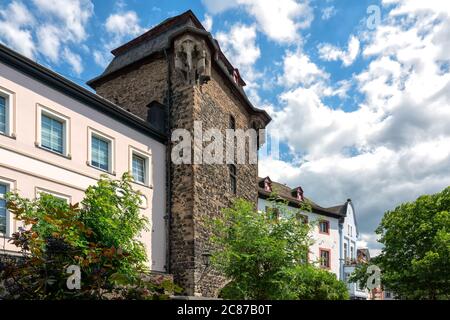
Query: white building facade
(59,138)
(334,232)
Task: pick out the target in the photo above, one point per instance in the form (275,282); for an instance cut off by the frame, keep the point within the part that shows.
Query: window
(52,131)
(324,227)
(52,134)
(345,251)
(352,252)
(100,153)
(58,196)
(387,295)
(233,180)
(2,114)
(3,212)
(232,123)
(139,165)
(6,112)
(139,168)
(324,258)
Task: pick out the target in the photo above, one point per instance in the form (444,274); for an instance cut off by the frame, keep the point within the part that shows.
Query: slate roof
(57,82)
(289,194)
(158,39)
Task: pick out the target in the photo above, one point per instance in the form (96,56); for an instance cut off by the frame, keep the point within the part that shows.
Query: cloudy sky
(359,90)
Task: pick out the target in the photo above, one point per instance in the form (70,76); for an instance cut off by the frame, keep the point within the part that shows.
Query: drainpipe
(168,217)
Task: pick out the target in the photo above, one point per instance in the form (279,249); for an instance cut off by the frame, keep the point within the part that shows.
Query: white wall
(350,232)
(27,167)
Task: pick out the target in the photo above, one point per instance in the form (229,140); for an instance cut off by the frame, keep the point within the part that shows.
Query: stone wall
(214,103)
(135,89)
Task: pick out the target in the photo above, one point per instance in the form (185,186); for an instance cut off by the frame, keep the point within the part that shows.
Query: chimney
(157,115)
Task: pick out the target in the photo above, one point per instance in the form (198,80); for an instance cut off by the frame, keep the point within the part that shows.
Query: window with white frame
(3,120)
(100,156)
(139,168)
(58,196)
(53,131)
(345,251)
(101,151)
(52,134)
(6,110)
(4,188)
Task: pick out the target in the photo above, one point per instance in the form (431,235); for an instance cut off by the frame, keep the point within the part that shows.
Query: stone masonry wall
(135,89)
(214,103)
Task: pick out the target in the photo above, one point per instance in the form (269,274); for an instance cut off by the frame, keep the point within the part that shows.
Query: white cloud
(15,22)
(298,69)
(101,58)
(71,16)
(328,12)
(44,34)
(19,39)
(74,60)
(208,22)
(329,52)
(119,27)
(18,13)
(123,24)
(280,20)
(49,40)
(392,147)
(240,46)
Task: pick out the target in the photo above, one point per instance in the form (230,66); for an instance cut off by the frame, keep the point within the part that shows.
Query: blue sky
(360,104)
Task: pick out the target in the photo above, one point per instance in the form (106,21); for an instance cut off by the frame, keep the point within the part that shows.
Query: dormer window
(300,194)
(267,185)
(236,76)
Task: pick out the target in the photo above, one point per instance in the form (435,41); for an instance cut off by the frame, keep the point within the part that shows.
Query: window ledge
(11,136)
(99,169)
(69,157)
(142,184)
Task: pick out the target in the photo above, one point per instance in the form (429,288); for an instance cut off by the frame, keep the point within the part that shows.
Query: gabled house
(335,233)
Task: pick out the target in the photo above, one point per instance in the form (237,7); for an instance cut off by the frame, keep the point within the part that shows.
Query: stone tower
(178,70)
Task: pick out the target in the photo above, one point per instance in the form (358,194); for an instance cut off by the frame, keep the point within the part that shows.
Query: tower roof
(157,40)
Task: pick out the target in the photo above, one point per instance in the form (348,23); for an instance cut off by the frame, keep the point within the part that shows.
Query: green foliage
(265,256)
(100,238)
(415,260)
(111,211)
(311,283)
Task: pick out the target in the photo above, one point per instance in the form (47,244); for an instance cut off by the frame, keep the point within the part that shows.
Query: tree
(100,238)
(264,254)
(415,260)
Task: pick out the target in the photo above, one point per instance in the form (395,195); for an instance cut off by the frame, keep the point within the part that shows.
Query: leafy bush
(100,238)
(265,257)
(415,260)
